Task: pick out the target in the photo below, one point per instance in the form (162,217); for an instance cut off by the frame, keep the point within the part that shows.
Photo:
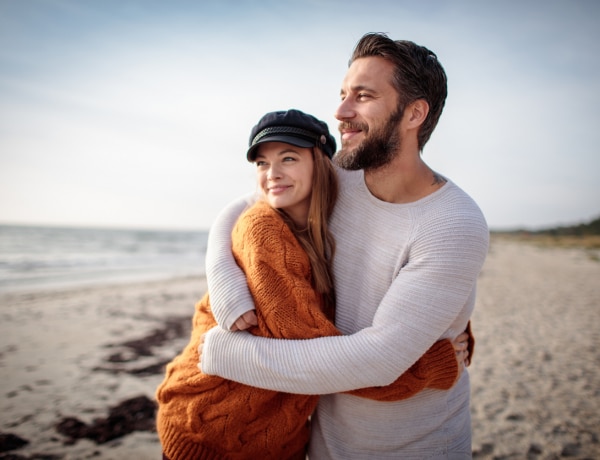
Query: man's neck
(404,180)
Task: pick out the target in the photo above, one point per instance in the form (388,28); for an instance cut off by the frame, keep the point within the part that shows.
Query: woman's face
(284,174)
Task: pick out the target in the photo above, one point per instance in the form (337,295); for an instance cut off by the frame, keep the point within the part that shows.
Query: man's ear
(417,113)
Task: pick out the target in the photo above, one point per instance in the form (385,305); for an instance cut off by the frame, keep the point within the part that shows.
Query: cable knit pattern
(207,417)
(405,277)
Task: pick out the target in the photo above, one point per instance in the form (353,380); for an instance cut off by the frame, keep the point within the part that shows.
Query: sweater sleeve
(419,306)
(278,274)
(437,369)
(229,294)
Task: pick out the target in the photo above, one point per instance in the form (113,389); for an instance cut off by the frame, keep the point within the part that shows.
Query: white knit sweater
(405,277)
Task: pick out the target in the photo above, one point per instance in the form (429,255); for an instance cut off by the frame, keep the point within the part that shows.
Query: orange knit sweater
(207,417)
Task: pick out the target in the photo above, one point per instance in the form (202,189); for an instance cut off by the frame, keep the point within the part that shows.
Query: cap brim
(298,142)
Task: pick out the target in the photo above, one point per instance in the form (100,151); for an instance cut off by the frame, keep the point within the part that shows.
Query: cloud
(137,114)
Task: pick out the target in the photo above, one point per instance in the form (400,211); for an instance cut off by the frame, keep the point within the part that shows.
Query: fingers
(201,345)
(461,342)
(463,337)
(246,321)
(461,348)
(465,357)
(239,325)
(250,318)
(462,356)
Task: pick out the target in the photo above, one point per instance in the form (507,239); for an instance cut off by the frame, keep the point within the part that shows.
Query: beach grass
(548,240)
(584,236)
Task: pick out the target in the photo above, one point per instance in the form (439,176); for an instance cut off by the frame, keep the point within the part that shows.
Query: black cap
(292,127)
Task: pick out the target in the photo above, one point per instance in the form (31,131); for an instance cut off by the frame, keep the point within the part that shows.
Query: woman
(285,249)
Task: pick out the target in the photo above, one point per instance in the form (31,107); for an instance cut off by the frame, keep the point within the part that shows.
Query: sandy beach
(536,370)
(69,357)
(77,353)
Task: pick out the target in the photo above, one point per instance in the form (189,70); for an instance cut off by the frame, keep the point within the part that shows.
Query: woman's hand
(246,321)
(460,344)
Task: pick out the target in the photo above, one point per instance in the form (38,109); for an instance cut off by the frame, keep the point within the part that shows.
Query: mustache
(353,126)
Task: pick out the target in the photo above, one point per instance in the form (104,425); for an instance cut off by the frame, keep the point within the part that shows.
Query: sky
(136,114)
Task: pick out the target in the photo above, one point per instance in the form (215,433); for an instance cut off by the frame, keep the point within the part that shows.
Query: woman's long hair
(316,239)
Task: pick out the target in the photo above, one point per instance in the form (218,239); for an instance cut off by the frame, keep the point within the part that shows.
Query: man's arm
(229,303)
(418,308)
(437,368)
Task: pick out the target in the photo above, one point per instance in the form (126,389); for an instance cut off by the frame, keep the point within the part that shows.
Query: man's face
(368,115)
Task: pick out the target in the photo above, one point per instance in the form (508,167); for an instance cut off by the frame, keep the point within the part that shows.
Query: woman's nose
(274,172)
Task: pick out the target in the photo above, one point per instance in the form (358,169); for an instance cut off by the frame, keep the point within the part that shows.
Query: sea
(37,257)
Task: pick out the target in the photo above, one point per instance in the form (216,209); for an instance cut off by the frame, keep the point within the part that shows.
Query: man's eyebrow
(358,88)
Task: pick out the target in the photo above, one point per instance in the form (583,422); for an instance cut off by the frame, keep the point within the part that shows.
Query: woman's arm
(439,368)
(229,294)
(278,274)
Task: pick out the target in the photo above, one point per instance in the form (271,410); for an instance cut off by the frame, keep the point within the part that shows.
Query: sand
(71,355)
(536,368)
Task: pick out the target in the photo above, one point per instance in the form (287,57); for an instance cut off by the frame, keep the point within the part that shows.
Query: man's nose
(345,110)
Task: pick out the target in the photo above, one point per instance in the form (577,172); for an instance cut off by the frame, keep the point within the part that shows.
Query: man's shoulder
(455,198)
(453,210)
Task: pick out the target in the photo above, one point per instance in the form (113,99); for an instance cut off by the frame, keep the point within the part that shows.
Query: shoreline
(93,279)
(78,353)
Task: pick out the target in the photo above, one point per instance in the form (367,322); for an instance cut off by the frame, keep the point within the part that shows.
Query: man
(409,247)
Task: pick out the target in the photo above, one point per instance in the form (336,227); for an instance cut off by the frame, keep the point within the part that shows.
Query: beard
(377,149)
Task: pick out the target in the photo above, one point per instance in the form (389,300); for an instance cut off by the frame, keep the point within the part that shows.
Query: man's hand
(246,321)
(200,347)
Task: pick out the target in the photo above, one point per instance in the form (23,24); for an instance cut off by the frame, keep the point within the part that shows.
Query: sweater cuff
(439,366)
